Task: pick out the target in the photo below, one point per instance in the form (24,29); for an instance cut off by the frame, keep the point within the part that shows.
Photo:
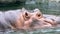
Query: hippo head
(36,20)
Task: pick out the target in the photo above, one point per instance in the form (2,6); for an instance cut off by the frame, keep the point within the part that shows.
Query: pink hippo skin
(17,18)
(38,21)
(54,18)
(22,19)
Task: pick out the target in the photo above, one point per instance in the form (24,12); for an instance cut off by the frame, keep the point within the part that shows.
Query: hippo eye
(38,15)
(26,14)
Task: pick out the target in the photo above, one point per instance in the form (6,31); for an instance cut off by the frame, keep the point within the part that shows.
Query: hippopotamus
(37,20)
(14,19)
(53,17)
(23,19)
(17,18)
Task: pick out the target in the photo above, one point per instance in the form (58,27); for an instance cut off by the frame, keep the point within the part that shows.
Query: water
(38,31)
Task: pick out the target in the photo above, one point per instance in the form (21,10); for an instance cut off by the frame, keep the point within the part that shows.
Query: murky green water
(38,31)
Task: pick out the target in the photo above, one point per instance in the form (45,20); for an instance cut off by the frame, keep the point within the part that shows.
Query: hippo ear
(23,10)
(36,10)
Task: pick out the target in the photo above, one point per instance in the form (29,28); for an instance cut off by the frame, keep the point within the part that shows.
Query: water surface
(38,31)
